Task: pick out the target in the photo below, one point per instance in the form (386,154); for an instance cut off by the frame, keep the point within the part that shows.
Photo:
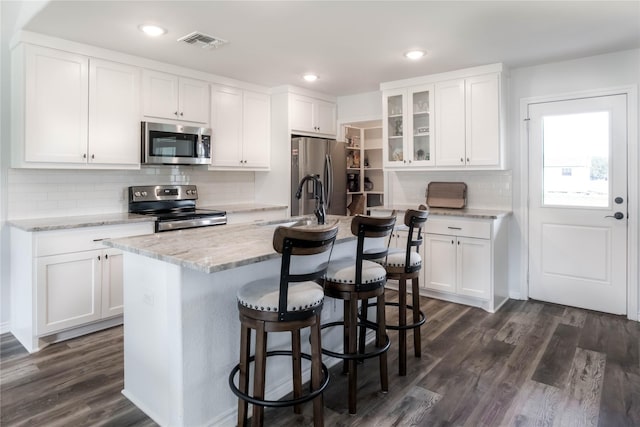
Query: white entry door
(578,202)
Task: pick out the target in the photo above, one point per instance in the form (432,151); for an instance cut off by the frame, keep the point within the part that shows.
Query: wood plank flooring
(531,363)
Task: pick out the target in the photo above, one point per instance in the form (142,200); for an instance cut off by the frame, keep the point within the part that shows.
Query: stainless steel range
(174,206)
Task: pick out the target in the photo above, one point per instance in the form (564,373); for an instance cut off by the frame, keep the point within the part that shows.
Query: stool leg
(363,329)
(381,334)
(345,335)
(316,373)
(297,368)
(402,321)
(417,346)
(243,380)
(352,349)
(259,373)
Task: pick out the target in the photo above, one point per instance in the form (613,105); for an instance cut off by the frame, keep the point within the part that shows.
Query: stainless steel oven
(169,144)
(173,206)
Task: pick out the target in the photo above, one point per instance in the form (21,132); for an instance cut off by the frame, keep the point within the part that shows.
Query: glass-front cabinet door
(394,109)
(419,126)
(408,127)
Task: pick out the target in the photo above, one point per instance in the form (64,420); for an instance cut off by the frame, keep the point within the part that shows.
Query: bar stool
(290,303)
(402,265)
(358,279)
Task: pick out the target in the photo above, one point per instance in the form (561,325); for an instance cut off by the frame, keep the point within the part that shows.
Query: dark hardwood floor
(531,363)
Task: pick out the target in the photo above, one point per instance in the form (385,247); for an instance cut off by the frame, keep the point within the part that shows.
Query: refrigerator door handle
(328,173)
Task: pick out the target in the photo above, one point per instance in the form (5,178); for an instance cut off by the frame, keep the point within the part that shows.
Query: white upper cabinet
(468,122)
(241,123)
(256,134)
(114,113)
(461,126)
(312,116)
(56,106)
(482,96)
(450,123)
(72,111)
(172,97)
(407,127)
(226,125)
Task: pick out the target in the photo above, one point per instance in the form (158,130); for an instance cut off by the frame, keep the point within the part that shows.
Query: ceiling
(351,45)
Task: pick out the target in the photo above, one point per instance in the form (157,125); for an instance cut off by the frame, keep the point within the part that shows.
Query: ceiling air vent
(205,41)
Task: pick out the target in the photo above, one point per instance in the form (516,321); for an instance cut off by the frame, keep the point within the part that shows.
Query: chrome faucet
(318,194)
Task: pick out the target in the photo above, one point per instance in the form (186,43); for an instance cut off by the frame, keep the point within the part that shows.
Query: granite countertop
(69,222)
(466,212)
(213,249)
(244,207)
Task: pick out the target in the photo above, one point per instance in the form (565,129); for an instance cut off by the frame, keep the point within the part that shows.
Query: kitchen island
(182,333)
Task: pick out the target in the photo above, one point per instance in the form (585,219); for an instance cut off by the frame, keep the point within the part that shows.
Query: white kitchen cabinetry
(114,113)
(447,121)
(312,116)
(467,122)
(466,261)
(72,111)
(241,123)
(407,127)
(167,96)
(65,282)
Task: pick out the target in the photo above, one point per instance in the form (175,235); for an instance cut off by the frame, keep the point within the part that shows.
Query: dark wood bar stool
(287,303)
(402,265)
(356,279)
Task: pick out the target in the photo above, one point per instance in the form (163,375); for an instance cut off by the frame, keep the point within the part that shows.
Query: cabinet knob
(467,160)
(106,256)
(452,242)
(98,257)
(84,156)
(182,114)
(93,157)
(461,160)
(175,113)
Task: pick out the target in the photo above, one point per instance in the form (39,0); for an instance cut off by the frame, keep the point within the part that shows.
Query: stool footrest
(417,324)
(279,403)
(356,356)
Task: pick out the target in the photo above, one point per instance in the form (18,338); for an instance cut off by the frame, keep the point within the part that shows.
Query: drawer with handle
(480,229)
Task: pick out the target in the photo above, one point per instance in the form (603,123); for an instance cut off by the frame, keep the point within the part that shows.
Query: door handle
(617,215)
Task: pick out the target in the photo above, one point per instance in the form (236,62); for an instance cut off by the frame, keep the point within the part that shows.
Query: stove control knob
(136,194)
(144,193)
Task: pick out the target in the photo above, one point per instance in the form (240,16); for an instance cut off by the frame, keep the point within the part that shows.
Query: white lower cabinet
(65,283)
(68,290)
(460,265)
(466,261)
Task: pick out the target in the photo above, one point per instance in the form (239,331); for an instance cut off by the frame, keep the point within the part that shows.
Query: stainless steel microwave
(168,144)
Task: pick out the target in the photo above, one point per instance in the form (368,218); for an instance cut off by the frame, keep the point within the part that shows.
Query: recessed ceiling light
(414,54)
(310,77)
(152,30)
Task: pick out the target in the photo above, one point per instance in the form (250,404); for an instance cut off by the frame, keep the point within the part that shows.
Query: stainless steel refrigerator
(323,157)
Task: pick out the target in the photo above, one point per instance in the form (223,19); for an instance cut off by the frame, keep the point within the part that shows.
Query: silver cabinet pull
(454,228)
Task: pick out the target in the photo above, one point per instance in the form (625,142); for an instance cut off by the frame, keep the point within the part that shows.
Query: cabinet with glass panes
(407,127)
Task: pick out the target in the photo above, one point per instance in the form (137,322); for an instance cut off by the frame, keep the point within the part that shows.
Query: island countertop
(217,248)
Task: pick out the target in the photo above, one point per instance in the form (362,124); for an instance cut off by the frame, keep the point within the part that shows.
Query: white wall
(38,193)
(13,15)
(591,73)
(361,107)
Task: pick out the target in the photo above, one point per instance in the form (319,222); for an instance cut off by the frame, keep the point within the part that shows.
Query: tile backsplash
(38,193)
(485,189)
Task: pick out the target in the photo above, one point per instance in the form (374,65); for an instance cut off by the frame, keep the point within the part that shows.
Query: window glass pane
(576,160)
